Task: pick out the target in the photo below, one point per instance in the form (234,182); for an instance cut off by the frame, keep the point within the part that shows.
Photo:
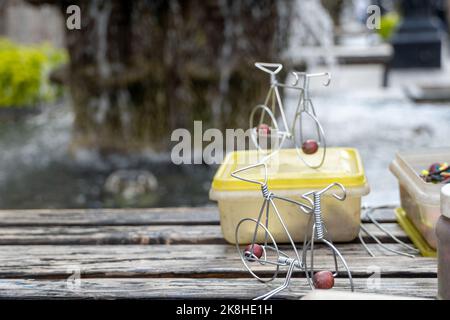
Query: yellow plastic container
(289,177)
(420,200)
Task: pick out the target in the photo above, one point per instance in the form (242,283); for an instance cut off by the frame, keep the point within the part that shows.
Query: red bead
(257,250)
(310,146)
(263,129)
(323,280)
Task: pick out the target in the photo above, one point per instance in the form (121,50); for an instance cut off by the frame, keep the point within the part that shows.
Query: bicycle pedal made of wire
(260,254)
(319,233)
(268,253)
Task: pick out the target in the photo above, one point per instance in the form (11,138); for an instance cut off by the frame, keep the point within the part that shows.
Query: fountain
(137,104)
(141,69)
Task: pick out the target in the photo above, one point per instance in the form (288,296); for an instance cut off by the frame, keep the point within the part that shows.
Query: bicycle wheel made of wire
(337,257)
(265,133)
(263,265)
(311,150)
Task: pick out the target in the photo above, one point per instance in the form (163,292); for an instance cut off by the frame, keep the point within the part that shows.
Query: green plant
(24,73)
(389,23)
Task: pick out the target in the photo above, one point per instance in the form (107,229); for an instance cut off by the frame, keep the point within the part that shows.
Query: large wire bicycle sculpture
(269,253)
(267,125)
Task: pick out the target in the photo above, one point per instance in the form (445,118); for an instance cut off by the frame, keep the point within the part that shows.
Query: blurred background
(86,113)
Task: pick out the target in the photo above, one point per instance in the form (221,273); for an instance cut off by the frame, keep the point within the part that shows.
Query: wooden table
(166,253)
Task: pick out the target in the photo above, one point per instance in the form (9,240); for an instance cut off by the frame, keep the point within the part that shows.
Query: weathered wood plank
(195,288)
(111,235)
(183,261)
(110,217)
(127,217)
(176,234)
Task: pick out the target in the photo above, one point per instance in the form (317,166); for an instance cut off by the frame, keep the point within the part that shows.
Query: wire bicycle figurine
(269,252)
(267,124)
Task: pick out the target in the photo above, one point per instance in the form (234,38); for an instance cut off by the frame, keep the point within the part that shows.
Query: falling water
(224,61)
(101,10)
(311,27)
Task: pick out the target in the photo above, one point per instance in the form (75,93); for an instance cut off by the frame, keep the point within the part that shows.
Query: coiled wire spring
(318,221)
(266,193)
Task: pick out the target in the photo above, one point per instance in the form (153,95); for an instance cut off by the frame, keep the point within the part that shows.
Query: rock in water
(131,184)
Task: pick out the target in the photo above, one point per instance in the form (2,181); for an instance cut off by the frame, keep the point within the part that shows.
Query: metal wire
(368,213)
(318,233)
(318,222)
(265,192)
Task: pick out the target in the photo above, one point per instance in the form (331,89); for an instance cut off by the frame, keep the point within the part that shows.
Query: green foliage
(24,73)
(389,23)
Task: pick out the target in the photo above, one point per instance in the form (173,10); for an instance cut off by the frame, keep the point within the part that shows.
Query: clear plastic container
(443,236)
(289,177)
(419,199)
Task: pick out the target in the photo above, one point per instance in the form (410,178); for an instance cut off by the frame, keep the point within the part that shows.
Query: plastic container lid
(287,171)
(445,200)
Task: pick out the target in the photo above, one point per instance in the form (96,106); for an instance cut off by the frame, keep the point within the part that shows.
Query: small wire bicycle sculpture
(267,125)
(269,253)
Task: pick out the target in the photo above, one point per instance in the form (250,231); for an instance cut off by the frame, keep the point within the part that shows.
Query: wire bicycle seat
(270,68)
